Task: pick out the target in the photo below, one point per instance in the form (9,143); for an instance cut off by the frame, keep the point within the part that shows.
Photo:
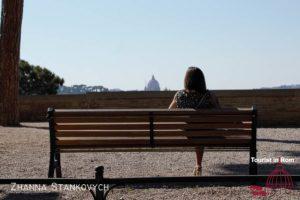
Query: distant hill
(293,86)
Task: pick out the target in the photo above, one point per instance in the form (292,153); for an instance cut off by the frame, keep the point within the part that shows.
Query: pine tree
(10,36)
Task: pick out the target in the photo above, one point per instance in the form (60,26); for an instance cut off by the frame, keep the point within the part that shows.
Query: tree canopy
(36,80)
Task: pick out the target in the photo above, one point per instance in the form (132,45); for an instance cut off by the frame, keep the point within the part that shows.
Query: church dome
(153,85)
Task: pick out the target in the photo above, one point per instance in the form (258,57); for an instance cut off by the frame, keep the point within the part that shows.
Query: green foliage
(35,80)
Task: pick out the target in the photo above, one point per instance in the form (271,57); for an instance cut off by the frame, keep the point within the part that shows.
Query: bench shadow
(279,141)
(263,168)
(293,154)
(32,196)
(36,127)
(181,185)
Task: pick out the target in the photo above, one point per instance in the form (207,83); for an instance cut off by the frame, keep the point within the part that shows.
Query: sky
(121,43)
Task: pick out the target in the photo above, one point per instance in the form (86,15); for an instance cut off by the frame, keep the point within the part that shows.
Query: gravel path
(24,153)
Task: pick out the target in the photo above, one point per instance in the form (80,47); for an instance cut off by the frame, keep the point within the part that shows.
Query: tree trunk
(11,22)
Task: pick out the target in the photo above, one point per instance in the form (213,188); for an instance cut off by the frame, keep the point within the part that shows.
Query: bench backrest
(129,128)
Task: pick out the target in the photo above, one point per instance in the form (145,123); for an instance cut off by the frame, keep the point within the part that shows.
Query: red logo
(258,191)
(279,178)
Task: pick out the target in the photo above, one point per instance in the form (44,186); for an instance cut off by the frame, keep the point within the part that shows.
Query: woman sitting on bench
(196,96)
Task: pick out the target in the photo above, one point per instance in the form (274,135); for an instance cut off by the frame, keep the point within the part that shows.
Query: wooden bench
(94,130)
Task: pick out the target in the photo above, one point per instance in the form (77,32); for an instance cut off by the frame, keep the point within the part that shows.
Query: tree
(10,37)
(35,80)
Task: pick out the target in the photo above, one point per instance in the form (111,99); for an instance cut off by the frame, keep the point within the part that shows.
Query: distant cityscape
(152,85)
(293,86)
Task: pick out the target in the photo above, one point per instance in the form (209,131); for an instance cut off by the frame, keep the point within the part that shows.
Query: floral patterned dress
(195,100)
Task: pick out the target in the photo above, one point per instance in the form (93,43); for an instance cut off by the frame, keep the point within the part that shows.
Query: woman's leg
(199,156)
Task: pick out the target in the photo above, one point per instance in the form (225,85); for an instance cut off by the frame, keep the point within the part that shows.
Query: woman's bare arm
(173,104)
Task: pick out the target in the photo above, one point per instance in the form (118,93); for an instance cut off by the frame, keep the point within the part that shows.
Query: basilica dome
(153,85)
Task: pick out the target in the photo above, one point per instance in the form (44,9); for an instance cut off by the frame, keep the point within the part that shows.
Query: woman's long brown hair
(195,80)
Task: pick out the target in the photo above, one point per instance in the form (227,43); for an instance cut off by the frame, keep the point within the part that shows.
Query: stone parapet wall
(276,108)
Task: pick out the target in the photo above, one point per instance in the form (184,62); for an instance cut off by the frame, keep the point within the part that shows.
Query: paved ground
(24,153)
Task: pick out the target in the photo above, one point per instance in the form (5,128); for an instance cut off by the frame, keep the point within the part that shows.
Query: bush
(36,80)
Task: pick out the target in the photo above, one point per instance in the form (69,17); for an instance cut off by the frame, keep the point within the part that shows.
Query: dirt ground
(24,153)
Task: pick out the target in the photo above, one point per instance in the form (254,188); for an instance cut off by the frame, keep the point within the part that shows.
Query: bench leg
(54,165)
(252,165)
(100,195)
(58,165)
(51,165)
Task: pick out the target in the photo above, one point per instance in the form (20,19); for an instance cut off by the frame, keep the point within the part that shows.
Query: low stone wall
(276,108)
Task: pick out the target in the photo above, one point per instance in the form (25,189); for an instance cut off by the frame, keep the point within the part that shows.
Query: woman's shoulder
(179,94)
(183,92)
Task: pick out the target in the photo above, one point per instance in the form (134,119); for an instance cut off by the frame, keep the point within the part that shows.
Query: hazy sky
(120,44)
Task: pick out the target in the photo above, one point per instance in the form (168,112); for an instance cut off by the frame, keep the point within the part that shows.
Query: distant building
(115,90)
(153,85)
(81,89)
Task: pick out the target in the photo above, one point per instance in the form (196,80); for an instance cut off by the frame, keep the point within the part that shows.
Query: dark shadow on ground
(32,196)
(181,185)
(279,141)
(263,169)
(292,154)
(36,127)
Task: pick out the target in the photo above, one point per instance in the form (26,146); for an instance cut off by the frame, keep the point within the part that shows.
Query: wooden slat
(157,149)
(99,119)
(73,144)
(145,133)
(100,113)
(83,133)
(139,126)
(139,112)
(202,141)
(203,125)
(211,118)
(179,112)
(104,143)
(102,126)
